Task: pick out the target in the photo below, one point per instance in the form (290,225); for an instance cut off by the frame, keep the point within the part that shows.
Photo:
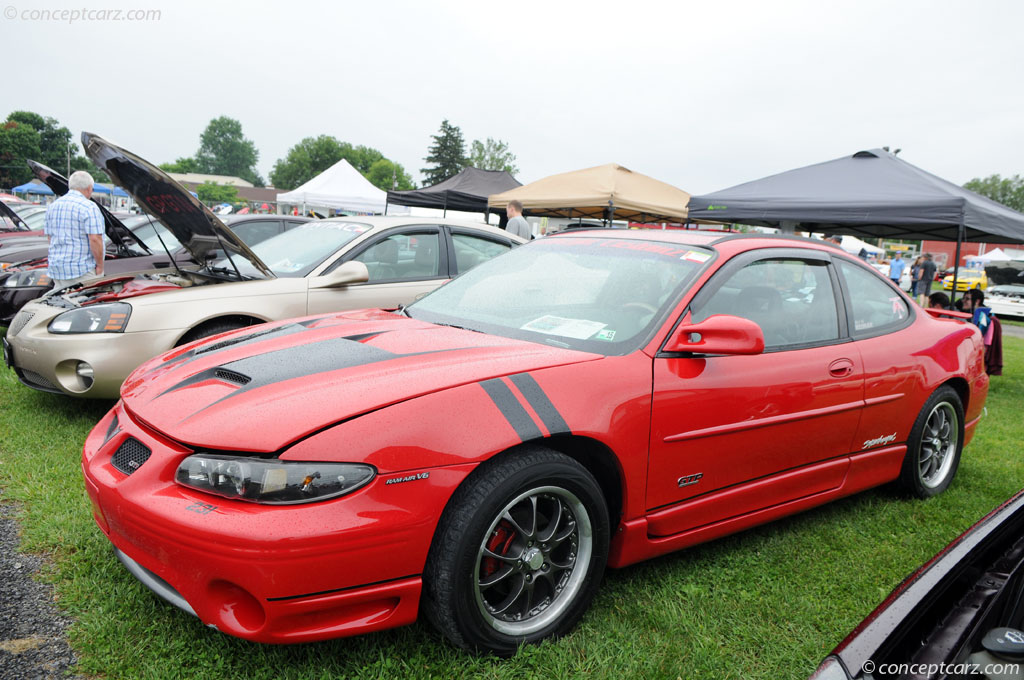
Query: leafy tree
(447,154)
(211,192)
(313,155)
(492,155)
(183,165)
(223,150)
(54,139)
(1009,191)
(386,175)
(18,142)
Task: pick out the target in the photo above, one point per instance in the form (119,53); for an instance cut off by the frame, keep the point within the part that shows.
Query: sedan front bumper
(51,362)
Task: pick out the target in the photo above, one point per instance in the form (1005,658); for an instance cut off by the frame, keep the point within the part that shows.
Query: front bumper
(48,362)
(266,573)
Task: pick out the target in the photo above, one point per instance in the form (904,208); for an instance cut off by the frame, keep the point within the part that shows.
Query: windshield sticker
(357,228)
(696,256)
(605,334)
(578,329)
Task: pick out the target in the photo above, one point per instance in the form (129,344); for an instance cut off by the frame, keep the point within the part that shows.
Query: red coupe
(591,399)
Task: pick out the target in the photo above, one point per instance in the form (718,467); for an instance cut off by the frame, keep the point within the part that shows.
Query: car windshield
(595,294)
(297,252)
(150,232)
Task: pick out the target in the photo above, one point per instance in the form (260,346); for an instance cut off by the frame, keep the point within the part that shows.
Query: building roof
(199,178)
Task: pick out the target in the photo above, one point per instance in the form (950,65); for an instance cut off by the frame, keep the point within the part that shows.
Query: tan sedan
(85,342)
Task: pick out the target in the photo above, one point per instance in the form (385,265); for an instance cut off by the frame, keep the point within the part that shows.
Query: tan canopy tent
(607,191)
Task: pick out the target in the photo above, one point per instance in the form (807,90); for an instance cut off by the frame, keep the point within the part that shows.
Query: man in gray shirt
(517,224)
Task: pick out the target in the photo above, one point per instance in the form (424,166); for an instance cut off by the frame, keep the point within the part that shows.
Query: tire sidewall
(910,476)
(565,474)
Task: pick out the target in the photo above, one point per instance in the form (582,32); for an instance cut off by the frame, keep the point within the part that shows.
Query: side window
(875,306)
(791,300)
(255,231)
(401,257)
(472,250)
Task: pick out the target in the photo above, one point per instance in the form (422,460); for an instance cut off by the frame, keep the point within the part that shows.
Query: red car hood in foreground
(263,388)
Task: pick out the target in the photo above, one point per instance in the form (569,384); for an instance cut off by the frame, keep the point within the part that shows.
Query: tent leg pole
(385,206)
(956,264)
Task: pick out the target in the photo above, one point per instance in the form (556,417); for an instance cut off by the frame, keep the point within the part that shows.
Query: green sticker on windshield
(605,334)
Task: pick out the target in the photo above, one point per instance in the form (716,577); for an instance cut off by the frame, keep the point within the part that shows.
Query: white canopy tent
(854,245)
(342,188)
(998,255)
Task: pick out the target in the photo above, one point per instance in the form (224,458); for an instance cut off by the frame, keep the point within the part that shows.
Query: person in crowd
(896,267)
(991,330)
(915,274)
(938,301)
(836,239)
(924,285)
(74,229)
(517,224)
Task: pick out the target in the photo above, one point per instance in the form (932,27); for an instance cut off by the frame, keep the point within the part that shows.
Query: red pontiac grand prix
(591,399)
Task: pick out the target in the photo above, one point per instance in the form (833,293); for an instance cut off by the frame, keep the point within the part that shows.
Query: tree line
(224,150)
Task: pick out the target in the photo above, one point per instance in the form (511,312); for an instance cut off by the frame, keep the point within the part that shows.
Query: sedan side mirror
(718,334)
(352,271)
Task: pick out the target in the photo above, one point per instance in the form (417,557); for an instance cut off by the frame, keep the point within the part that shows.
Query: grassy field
(767,603)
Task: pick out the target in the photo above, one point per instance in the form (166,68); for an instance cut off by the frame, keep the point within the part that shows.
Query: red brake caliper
(500,541)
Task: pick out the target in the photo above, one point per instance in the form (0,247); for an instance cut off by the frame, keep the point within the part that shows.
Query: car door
(403,263)
(734,434)
(469,248)
(879,321)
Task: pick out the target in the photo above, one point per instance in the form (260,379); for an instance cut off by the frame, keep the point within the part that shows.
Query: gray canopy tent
(466,191)
(871,193)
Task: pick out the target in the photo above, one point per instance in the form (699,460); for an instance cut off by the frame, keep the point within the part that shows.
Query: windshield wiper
(451,325)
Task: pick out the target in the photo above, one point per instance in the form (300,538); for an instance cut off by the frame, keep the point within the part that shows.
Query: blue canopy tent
(100,189)
(33,188)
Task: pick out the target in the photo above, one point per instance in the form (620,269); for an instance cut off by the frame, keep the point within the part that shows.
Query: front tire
(519,553)
(935,444)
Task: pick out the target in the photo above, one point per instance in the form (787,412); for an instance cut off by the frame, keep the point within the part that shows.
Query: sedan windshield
(594,294)
(297,252)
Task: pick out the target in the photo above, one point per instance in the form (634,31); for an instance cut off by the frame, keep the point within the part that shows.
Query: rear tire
(519,553)
(935,444)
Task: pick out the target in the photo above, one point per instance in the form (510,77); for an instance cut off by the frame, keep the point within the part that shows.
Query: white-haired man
(74,227)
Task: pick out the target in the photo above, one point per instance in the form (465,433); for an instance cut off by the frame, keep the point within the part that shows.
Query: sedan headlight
(105,318)
(275,482)
(32,277)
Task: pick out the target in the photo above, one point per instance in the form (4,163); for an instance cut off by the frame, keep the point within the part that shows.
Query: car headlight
(32,277)
(274,482)
(105,318)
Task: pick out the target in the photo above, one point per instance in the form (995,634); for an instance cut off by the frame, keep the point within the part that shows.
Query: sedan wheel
(519,552)
(933,450)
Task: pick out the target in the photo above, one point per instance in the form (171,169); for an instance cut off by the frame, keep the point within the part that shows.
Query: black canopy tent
(871,193)
(466,191)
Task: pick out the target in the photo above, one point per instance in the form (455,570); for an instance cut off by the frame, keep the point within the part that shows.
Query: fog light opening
(85,374)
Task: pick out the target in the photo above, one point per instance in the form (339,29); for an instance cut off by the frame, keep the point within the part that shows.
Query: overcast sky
(703,95)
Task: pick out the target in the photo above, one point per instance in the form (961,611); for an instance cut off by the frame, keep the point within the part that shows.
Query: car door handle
(840,368)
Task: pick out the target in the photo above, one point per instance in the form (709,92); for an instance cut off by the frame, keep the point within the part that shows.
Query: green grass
(766,603)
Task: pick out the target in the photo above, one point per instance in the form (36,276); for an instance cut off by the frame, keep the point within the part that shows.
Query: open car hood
(5,211)
(1006,273)
(300,376)
(192,223)
(115,229)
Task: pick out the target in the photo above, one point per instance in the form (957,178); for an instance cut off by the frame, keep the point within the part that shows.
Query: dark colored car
(958,616)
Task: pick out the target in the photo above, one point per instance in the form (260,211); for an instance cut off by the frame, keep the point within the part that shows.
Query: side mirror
(718,334)
(352,271)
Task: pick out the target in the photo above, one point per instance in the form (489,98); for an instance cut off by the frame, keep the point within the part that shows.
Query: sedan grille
(19,322)
(38,380)
(130,456)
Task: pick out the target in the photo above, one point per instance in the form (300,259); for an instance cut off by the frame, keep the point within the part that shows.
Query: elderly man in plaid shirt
(74,227)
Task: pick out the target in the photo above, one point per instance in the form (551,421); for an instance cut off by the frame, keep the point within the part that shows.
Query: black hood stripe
(539,402)
(509,405)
